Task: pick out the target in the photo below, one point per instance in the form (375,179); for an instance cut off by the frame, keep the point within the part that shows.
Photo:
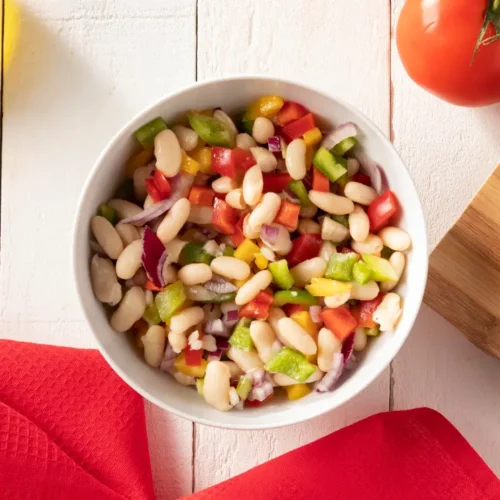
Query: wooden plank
(331,47)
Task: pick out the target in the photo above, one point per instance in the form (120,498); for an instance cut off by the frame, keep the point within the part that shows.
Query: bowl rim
(75,264)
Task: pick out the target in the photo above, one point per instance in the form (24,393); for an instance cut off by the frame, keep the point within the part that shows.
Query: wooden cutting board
(464,270)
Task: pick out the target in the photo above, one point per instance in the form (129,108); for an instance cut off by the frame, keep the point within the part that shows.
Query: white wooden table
(84,67)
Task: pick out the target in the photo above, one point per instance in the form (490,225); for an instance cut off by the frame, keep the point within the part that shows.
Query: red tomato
(436,41)
(381,209)
(290,112)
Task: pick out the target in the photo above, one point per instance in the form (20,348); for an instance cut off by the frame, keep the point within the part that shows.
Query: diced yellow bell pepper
(267,105)
(204,157)
(303,318)
(246,251)
(192,371)
(322,287)
(260,261)
(189,165)
(310,150)
(240,283)
(313,137)
(139,159)
(297,391)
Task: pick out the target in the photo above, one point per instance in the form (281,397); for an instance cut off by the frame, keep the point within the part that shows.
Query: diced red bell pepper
(256,402)
(224,217)
(320,181)
(339,320)
(223,162)
(254,310)
(152,190)
(264,297)
(381,209)
(362,178)
(366,310)
(162,184)
(304,247)
(238,237)
(275,183)
(299,127)
(290,309)
(290,112)
(193,357)
(149,285)
(201,195)
(243,159)
(288,214)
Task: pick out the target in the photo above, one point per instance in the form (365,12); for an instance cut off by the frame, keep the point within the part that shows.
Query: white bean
(149,297)
(253,184)
(264,158)
(184,379)
(263,337)
(104,282)
(211,247)
(368,291)
(359,224)
(397,261)
(283,244)
(253,286)
(262,129)
(216,386)
(209,343)
(168,153)
(224,185)
(338,299)
(200,214)
(265,212)
(148,202)
(174,220)
(154,345)
(328,345)
(235,371)
(283,380)
(187,318)
(331,203)
(128,233)
(332,230)
(308,226)
(275,314)
(267,253)
(360,339)
(245,141)
(230,267)
(129,311)
(304,272)
(235,199)
(188,138)
(140,176)
(295,159)
(107,236)
(360,193)
(195,274)
(327,250)
(174,249)
(247,361)
(296,336)
(130,260)
(395,238)
(388,312)
(177,340)
(372,245)
(234,399)
(124,209)
(249,231)
(225,118)
(169,274)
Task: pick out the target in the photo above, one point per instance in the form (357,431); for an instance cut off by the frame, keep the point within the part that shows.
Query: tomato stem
(492,15)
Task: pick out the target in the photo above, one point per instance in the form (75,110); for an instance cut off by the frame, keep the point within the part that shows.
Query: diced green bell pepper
(219,298)
(247,125)
(108,212)
(291,363)
(301,297)
(126,190)
(243,388)
(281,274)
(340,266)
(298,188)
(194,252)
(382,269)
(228,251)
(200,382)
(372,332)
(341,219)
(361,273)
(214,132)
(170,300)
(386,253)
(147,133)
(343,180)
(240,338)
(342,147)
(328,164)
(151,315)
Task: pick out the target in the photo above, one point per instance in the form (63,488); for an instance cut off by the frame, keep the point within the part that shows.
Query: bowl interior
(162,389)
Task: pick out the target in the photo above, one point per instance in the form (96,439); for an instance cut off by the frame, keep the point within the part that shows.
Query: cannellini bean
(283,244)
(230,267)
(168,153)
(209,343)
(169,274)
(304,272)
(129,311)
(140,176)
(234,399)
(194,274)
(128,233)
(368,291)
(211,247)
(264,158)
(397,261)
(253,286)
(107,236)
(148,202)
(149,297)
(372,245)
(328,345)
(360,339)
(177,340)
(283,380)
(360,193)
(194,341)
(184,379)
(224,185)
(359,224)
(295,159)
(216,386)
(225,118)
(265,212)
(130,260)
(154,345)
(245,141)
(352,167)
(395,238)
(337,300)
(234,369)
(124,209)
(327,250)
(308,212)
(296,336)
(263,337)
(247,361)
(188,138)
(308,226)
(253,184)
(332,230)
(235,199)
(331,203)
(104,282)
(174,249)
(388,312)
(200,215)
(267,253)
(262,129)
(174,220)
(249,231)
(187,318)
(275,314)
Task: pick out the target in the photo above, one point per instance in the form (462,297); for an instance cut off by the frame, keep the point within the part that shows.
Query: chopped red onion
(291,196)
(231,318)
(372,169)
(308,180)
(168,359)
(257,376)
(261,392)
(314,312)
(274,144)
(215,327)
(327,383)
(220,287)
(161,265)
(347,347)
(153,253)
(222,344)
(269,234)
(215,356)
(343,131)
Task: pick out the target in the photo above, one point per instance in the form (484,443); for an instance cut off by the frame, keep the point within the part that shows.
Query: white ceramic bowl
(232,94)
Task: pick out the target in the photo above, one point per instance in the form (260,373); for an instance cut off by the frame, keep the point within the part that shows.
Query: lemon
(11,35)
